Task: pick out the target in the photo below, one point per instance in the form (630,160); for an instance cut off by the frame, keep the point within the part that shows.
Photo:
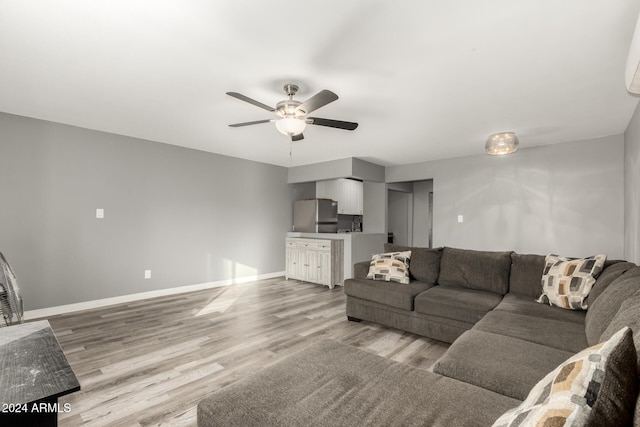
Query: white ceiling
(425,79)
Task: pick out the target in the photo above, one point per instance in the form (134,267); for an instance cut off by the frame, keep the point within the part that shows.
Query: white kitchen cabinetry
(315,260)
(347,192)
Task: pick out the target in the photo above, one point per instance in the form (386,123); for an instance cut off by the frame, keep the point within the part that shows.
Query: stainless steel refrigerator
(315,216)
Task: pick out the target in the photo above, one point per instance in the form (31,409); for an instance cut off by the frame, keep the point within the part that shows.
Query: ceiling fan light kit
(293,114)
(501,144)
(291,126)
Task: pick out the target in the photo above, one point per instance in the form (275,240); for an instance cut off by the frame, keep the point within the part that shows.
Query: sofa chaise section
(506,365)
(332,384)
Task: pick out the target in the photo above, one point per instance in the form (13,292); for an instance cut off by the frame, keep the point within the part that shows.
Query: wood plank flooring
(148,363)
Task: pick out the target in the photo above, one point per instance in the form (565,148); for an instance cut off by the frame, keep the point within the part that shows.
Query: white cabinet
(351,192)
(328,190)
(347,192)
(315,260)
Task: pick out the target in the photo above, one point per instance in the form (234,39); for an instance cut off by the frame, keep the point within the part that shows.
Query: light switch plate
(147,274)
(100,213)
(460,218)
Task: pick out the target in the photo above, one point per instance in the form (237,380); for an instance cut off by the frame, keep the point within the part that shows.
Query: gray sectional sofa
(502,344)
(484,304)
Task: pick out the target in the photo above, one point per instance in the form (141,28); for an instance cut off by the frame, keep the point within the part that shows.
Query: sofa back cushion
(628,315)
(425,262)
(612,270)
(605,307)
(526,274)
(482,270)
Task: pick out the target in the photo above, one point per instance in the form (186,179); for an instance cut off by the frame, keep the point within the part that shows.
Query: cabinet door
(302,265)
(351,195)
(345,197)
(328,190)
(312,266)
(359,196)
(292,263)
(324,267)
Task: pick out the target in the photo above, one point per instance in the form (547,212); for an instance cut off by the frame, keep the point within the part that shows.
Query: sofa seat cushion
(506,365)
(595,388)
(568,336)
(528,306)
(456,302)
(334,384)
(438,328)
(388,293)
(481,270)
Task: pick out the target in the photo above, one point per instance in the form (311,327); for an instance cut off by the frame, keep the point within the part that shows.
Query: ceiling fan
(292,115)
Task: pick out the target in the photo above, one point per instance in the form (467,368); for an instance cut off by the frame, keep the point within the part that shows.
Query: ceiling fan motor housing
(287,108)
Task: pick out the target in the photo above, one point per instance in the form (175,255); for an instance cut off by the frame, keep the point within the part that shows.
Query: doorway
(410,213)
(400,217)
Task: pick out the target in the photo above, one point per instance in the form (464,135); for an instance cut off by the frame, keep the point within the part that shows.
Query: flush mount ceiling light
(501,144)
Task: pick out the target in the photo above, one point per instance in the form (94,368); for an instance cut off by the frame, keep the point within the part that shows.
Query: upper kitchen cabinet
(347,192)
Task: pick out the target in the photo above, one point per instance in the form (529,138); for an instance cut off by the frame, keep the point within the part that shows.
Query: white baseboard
(87,305)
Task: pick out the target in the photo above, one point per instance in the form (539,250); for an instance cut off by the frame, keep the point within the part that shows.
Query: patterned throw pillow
(566,282)
(390,267)
(596,387)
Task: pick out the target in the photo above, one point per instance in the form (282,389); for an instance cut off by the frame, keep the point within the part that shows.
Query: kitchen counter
(358,246)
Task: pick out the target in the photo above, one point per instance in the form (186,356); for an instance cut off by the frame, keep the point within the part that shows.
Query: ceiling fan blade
(250,101)
(298,137)
(257,122)
(318,100)
(332,123)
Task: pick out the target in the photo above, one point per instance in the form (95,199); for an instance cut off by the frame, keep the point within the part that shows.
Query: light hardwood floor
(149,362)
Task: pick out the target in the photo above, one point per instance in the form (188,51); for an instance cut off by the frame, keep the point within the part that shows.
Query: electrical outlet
(147,274)
(460,218)
(100,213)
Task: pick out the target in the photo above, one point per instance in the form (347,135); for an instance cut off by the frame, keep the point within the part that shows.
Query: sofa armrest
(361,269)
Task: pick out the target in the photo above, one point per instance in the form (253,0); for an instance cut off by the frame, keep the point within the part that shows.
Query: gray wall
(190,217)
(374,207)
(632,189)
(367,171)
(564,198)
(421,214)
